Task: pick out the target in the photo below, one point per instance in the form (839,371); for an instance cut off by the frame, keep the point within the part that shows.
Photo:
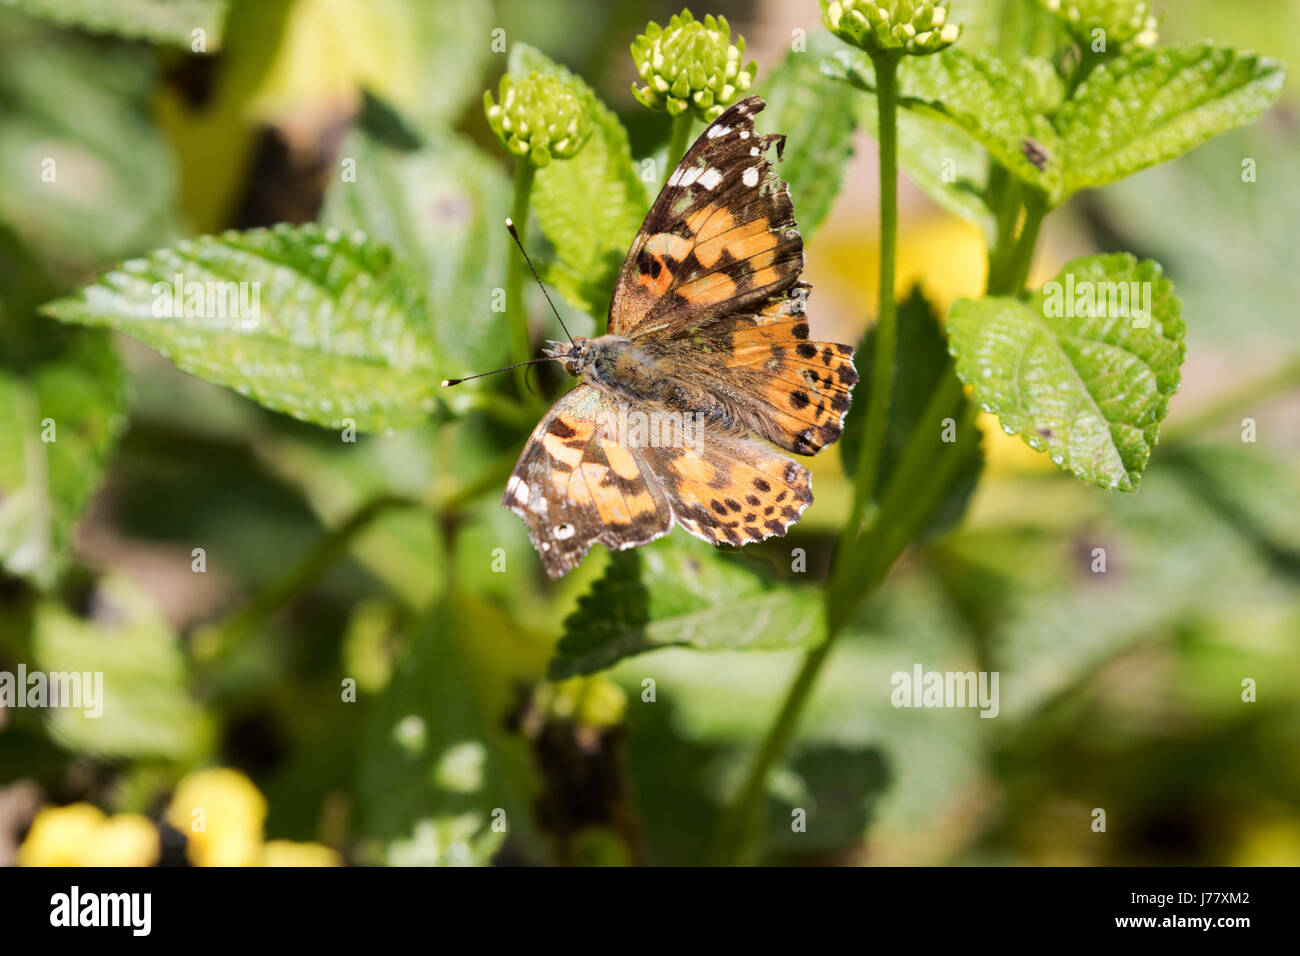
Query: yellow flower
(81,835)
(221,814)
(289,853)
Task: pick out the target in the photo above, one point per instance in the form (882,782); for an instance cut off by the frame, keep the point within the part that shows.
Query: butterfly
(707,362)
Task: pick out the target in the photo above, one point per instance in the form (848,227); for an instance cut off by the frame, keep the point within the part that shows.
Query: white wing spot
(744,134)
(750,177)
(690,175)
(753,151)
(716,131)
(710,178)
(564,531)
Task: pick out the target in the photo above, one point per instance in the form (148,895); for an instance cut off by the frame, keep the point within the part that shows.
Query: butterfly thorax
(634,375)
(616,365)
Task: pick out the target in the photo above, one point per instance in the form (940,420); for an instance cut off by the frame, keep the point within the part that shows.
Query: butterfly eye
(571,367)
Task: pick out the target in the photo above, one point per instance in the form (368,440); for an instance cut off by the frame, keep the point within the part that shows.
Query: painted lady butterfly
(707,350)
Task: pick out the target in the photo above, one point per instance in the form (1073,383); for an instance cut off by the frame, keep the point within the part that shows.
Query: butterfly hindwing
(574,484)
(733,491)
(720,238)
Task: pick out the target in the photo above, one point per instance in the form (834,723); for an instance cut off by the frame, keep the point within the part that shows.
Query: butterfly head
(570,354)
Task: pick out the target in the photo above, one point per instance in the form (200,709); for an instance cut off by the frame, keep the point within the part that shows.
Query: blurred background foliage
(1120,690)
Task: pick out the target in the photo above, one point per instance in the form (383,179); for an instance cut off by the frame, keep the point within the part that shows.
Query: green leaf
(145,710)
(590,206)
(1088,389)
(304,320)
(158,21)
(684,761)
(60,415)
(668,594)
(975,95)
(922,362)
(438,762)
(1149,591)
(1146,108)
(818,116)
(441,206)
(92,178)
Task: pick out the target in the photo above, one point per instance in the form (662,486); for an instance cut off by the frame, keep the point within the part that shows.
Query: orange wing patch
(574,485)
(721,238)
(738,493)
(806,387)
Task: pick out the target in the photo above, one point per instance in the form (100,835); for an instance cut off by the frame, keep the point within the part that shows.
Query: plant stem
(490,478)
(521,348)
(319,559)
(884,360)
(917,456)
(678,141)
(1022,256)
(914,491)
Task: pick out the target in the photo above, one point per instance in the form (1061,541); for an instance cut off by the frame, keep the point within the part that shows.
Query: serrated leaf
(326,327)
(818,116)
(671,594)
(440,205)
(975,93)
(158,21)
(145,709)
(1146,108)
(972,93)
(60,415)
(922,361)
(1086,383)
(590,206)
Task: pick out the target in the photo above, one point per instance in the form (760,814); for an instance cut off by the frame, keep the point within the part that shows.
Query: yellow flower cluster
(219,810)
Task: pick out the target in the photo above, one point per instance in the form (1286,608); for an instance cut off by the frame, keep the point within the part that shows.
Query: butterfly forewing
(720,238)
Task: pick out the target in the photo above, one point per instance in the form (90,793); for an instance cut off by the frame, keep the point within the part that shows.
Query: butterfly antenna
(457,381)
(518,242)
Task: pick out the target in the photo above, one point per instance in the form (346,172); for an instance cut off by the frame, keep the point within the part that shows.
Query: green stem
(1009,206)
(739,835)
(491,478)
(679,140)
(884,359)
(1023,255)
(913,493)
(521,348)
(322,556)
(742,828)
